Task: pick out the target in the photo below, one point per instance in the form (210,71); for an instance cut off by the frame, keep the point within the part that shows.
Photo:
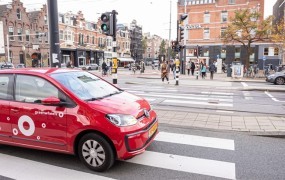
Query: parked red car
(74,112)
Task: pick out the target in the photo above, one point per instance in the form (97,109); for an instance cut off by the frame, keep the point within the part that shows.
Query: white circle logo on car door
(31,129)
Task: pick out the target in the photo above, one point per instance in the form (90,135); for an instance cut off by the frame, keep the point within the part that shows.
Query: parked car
(20,66)
(6,65)
(90,67)
(276,78)
(74,112)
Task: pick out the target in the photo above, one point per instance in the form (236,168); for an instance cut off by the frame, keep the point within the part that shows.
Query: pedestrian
(203,70)
(212,70)
(164,71)
(188,66)
(192,68)
(104,68)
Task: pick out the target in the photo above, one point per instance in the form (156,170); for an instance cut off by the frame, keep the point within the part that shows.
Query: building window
(19,16)
(93,40)
(87,39)
(276,51)
(20,38)
(223,53)
(27,35)
(46,37)
(11,33)
(206,34)
(237,52)
(265,51)
(45,19)
(224,16)
(223,32)
(232,1)
(207,18)
(61,34)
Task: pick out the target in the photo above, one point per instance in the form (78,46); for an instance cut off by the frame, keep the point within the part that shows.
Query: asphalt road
(206,96)
(177,153)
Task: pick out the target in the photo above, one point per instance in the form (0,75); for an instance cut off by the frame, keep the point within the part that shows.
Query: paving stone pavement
(265,125)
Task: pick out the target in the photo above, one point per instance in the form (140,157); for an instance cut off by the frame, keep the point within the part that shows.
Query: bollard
(114,75)
(197,74)
(177,76)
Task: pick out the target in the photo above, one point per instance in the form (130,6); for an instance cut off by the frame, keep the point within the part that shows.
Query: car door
(33,123)
(6,86)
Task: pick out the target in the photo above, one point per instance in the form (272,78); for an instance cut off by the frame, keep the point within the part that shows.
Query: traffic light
(106,23)
(200,51)
(173,45)
(180,28)
(181,33)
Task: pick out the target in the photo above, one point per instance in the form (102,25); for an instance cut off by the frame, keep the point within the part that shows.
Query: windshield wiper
(108,95)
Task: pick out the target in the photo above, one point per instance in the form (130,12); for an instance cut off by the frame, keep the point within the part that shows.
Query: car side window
(33,89)
(5,91)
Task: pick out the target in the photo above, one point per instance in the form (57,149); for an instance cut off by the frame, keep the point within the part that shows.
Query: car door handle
(15,110)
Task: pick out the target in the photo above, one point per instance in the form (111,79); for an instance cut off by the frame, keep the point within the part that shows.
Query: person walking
(188,66)
(192,68)
(203,70)
(104,68)
(164,71)
(212,70)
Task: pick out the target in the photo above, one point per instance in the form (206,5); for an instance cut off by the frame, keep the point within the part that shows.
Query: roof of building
(33,15)
(3,9)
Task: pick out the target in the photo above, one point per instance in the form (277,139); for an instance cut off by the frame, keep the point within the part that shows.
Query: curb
(262,89)
(276,134)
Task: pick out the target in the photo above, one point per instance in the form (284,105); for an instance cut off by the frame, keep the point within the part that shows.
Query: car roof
(46,71)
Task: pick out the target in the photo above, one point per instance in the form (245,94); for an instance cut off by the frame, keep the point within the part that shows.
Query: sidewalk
(267,125)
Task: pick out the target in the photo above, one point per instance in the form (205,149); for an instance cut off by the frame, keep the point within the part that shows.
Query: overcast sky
(152,15)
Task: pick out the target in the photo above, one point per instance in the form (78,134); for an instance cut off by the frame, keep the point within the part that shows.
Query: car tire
(280,81)
(95,152)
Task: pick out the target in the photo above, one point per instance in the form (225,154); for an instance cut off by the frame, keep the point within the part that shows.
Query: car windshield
(85,85)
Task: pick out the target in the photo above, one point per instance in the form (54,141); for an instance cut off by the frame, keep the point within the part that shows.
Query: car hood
(123,103)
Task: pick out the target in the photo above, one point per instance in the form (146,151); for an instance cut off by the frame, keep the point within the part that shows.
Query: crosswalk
(23,169)
(173,97)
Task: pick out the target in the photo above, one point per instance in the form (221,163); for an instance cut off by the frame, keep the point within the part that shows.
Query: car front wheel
(280,80)
(95,152)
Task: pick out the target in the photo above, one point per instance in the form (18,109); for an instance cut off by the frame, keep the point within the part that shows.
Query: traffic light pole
(55,59)
(114,59)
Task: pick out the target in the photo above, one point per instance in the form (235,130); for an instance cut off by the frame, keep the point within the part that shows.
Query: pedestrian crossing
(23,169)
(173,97)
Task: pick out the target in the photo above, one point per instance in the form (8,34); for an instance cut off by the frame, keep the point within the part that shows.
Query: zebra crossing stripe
(217,143)
(24,169)
(186,164)
(197,103)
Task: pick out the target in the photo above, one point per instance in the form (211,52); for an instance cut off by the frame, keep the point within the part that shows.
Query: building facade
(24,34)
(208,19)
(136,41)
(153,45)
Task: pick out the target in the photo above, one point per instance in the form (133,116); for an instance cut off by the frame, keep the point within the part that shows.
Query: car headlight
(121,119)
(271,76)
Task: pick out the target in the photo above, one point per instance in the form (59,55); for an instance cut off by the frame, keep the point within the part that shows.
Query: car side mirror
(51,101)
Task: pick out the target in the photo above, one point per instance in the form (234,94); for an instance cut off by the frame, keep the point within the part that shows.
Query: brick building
(207,19)
(153,44)
(26,34)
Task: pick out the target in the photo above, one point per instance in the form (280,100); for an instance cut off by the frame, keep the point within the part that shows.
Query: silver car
(277,78)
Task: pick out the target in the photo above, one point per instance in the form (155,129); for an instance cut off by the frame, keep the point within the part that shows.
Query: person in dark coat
(192,68)
(104,68)
(212,70)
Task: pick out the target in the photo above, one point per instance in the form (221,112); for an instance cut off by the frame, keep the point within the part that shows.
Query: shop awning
(126,60)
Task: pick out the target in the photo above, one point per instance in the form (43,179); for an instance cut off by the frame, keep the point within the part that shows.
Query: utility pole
(54,55)
(169,47)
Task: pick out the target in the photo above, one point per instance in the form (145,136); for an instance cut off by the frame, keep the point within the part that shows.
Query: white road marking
(183,97)
(150,99)
(218,93)
(198,103)
(247,95)
(217,143)
(272,97)
(186,164)
(24,169)
(244,84)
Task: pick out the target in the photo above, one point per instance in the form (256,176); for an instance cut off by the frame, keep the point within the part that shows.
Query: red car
(74,112)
